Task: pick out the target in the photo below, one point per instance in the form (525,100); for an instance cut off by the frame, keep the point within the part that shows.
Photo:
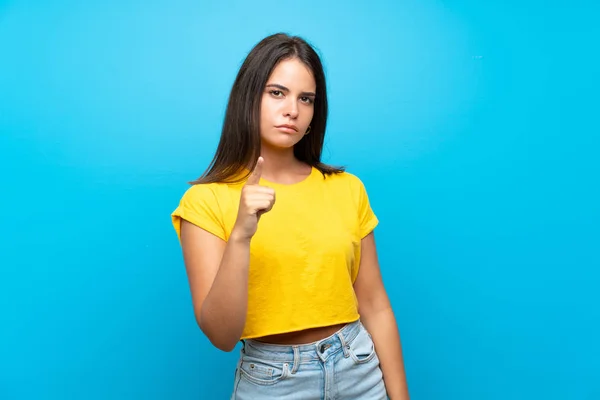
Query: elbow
(223,346)
(220,342)
(218,339)
(370,309)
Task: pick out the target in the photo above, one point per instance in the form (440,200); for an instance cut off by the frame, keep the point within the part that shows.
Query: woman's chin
(280,143)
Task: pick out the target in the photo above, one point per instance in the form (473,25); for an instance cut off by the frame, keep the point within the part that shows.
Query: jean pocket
(362,348)
(263,372)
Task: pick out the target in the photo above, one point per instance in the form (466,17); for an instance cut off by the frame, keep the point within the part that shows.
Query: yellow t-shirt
(304,257)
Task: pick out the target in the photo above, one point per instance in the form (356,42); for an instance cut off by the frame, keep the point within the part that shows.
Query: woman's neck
(281,166)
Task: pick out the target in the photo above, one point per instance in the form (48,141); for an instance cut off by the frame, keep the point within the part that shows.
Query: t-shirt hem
(301,328)
(369,227)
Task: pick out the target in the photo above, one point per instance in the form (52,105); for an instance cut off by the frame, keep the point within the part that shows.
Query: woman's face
(287,105)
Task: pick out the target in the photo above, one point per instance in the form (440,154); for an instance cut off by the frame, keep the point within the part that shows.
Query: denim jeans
(342,366)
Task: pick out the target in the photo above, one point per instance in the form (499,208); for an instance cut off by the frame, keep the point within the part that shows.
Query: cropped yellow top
(304,257)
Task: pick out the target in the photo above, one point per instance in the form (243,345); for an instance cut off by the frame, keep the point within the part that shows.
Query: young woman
(279,247)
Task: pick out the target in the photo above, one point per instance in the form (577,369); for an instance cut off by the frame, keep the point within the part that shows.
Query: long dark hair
(240,143)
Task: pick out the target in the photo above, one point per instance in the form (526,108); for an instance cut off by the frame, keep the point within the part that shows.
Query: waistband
(321,349)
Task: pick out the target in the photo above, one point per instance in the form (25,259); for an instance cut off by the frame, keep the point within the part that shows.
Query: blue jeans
(342,366)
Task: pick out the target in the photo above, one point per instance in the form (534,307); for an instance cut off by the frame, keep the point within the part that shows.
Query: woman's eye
(275,92)
(306,100)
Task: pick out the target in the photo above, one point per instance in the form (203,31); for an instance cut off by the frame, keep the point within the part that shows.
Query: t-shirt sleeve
(199,205)
(367,218)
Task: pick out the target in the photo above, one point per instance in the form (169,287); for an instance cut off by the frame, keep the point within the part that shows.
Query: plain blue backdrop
(473,124)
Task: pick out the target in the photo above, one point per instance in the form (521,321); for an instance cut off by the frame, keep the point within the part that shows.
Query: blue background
(471,123)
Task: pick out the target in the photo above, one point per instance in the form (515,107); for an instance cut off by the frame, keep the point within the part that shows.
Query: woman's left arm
(377,316)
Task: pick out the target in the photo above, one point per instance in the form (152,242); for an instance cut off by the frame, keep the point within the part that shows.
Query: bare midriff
(301,337)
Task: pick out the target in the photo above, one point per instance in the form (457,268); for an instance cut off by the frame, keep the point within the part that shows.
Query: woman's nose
(292,110)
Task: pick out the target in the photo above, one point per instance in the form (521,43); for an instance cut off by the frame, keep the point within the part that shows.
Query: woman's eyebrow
(281,87)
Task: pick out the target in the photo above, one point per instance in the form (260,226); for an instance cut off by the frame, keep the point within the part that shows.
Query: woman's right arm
(218,270)
(218,277)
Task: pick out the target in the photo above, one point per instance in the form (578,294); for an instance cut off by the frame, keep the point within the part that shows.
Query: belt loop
(344,345)
(296,363)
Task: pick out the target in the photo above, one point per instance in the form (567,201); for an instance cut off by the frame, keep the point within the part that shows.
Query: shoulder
(204,205)
(346,179)
(200,190)
(351,178)
(203,192)
(348,188)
